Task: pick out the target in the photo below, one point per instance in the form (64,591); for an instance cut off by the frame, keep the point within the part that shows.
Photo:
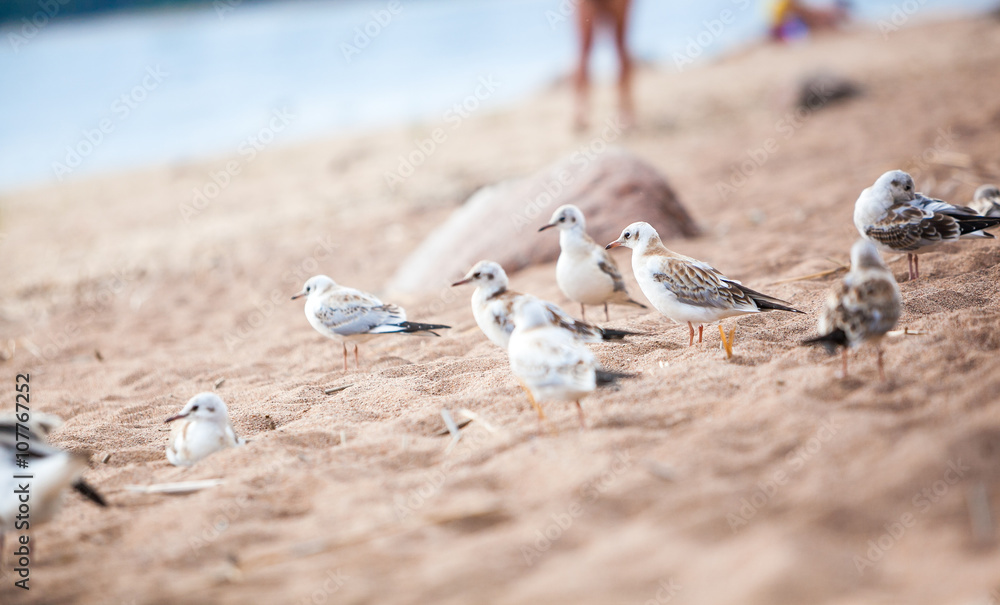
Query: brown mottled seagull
(343,314)
(862,308)
(896,218)
(585,272)
(688,290)
(493,308)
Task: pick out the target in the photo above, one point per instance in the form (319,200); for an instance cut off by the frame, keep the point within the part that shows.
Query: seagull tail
(89,492)
(410,327)
(975,225)
(768,303)
(830,342)
(611,334)
(605,378)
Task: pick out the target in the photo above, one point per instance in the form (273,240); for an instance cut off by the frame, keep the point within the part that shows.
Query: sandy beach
(762,479)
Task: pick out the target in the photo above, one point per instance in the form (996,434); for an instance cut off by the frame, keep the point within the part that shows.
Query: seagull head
(485,274)
(203,406)
(530,313)
(897,186)
(864,255)
(316,285)
(987,193)
(566,218)
(636,236)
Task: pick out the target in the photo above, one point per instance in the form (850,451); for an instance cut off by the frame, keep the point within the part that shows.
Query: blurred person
(591,15)
(792,18)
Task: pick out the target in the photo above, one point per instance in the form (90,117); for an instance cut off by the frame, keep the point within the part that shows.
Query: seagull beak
(299,295)
(543,228)
(613,244)
(177,417)
(461,282)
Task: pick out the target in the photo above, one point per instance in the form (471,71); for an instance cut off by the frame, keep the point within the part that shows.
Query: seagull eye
(907,187)
(627,235)
(476,275)
(194,409)
(562,220)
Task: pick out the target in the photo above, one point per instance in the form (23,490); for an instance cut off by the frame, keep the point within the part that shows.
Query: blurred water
(198,82)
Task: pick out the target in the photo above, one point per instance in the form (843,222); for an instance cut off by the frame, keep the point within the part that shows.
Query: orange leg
(579,409)
(700,330)
(345,356)
(843,372)
(357,364)
(881,369)
(690,334)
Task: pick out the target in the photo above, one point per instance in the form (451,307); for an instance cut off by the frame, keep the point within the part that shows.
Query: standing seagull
(896,218)
(688,290)
(343,314)
(987,201)
(493,308)
(863,307)
(204,429)
(550,361)
(585,272)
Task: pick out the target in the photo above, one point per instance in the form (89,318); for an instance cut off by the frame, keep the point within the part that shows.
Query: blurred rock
(500,222)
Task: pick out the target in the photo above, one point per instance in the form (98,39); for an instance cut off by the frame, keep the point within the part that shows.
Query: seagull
(551,362)
(862,308)
(689,290)
(585,271)
(896,218)
(28,464)
(493,308)
(343,314)
(36,429)
(204,429)
(987,201)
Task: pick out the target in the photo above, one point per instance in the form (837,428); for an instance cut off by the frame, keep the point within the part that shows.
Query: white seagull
(493,308)
(43,470)
(863,307)
(343,314)
(585,271)
(896,218)
(204,429)
(551,362)
(688,290)
(986,201)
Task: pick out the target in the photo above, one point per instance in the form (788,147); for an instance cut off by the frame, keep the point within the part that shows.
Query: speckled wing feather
(924,221)
(700,285)
(549,360)
(862,311)
(347,311)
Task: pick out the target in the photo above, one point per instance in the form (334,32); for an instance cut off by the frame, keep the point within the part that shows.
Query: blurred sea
(159,86)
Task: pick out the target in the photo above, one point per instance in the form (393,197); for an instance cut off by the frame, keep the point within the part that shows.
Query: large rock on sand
(500,222)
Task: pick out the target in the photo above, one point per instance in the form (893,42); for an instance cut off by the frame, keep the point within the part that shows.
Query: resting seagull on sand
(862,308)
(493,308)
(896,218)
(204,429)
(585,271)
(551,362)
(687,290)
(986,201)
(343,314)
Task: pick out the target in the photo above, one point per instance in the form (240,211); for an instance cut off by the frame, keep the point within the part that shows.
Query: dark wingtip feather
(970,225)
(89,493)
(409,327)
(830,342)
(611,334)
(605,377)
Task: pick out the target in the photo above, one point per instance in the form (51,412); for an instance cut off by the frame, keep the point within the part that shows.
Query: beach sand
(761,479)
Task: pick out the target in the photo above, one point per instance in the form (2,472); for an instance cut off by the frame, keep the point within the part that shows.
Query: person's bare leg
(619,15)
(586,14)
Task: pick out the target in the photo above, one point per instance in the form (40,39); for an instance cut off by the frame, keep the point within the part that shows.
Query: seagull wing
(347,311)
(553,357)
(698,284)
